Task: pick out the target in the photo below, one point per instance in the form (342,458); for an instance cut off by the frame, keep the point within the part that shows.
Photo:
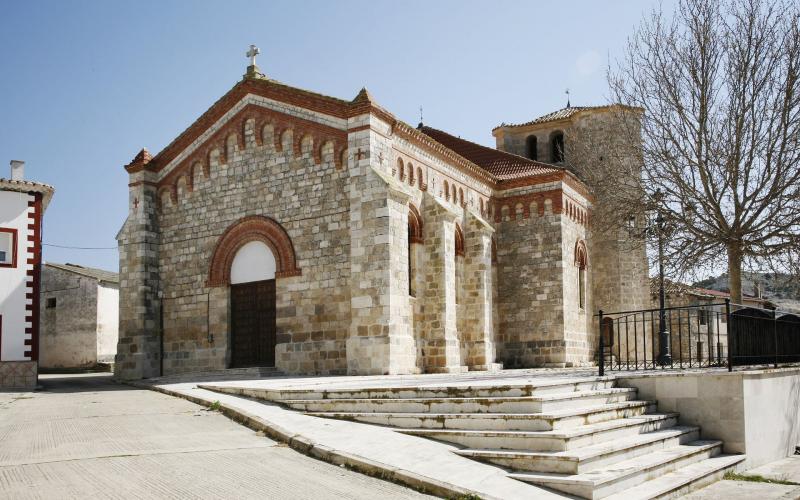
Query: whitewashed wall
(107,322)
(14,214)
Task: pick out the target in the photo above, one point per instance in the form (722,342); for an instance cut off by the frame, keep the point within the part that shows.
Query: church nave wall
(309,201)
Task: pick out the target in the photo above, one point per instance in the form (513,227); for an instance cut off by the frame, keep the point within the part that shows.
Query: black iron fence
(697,336)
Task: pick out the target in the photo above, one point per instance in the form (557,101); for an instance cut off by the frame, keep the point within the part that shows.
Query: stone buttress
(139,347)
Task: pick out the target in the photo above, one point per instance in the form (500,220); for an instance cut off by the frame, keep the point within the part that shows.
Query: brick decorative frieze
(262,126)
(521,206)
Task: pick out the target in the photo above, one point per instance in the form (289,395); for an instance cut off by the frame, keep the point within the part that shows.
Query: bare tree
(719,83)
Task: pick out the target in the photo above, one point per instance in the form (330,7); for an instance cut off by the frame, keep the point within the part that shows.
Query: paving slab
(372,449)
(745,490)
(787,469)
(84,436)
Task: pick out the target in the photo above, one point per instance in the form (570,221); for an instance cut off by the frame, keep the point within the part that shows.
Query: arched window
(557,147)
(401,169)
(581,262)
(459,263)
(254,261)
(420,179)
(411,174)
(446,191)
(459,241)
(461,196)
(414,237)
(531,148)
(453,193)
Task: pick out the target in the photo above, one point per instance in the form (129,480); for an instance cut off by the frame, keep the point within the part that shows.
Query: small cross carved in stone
(135,203)
(360,155)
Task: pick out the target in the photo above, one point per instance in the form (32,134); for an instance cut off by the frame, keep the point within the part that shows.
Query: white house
(80,316)
(22,206)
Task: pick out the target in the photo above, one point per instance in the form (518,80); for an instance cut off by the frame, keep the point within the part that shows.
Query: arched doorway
(253,333)
(248,258)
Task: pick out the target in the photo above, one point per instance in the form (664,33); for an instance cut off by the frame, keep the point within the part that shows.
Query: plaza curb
(308,447)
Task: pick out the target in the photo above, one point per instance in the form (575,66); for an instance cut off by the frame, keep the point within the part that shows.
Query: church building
(319,235)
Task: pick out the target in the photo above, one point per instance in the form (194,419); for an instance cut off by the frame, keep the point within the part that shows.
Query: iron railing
(697,336)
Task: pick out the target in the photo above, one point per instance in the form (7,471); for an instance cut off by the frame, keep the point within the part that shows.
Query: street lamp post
(664,356)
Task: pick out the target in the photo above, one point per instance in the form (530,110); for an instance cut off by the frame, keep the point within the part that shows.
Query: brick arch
(581,255)
(415,225)
(252,228)
(459,236)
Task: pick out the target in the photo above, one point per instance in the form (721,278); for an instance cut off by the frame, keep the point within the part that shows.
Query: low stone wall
(18,375)
(756,412)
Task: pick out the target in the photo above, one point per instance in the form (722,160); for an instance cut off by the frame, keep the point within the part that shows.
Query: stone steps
(558,386)
(521,404)
(586,438)
(567,419)
(625,474)
(560,440)
(682,481)
(587,458)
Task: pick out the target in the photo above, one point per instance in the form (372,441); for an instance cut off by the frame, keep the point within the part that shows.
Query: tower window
(51,303)
(557,147)
(531,147)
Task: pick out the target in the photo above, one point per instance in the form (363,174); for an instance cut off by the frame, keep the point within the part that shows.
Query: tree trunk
(735,273)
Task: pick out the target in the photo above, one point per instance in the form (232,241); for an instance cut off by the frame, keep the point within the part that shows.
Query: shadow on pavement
(84,382)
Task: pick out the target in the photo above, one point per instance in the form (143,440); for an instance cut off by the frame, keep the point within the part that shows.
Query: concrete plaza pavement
(84,436)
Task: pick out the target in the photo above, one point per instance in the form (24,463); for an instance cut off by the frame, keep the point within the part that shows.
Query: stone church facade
(325,236)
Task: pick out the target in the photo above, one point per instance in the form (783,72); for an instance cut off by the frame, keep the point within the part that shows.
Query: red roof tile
(563,114)
(504,166)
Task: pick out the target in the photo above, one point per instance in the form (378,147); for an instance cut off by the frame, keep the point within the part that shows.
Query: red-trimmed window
(8,247)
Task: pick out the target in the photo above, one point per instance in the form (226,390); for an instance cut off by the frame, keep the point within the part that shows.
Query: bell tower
(598,144)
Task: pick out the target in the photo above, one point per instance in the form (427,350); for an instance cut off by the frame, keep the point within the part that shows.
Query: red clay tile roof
(561,114)
(677,288)
(23,186)
(90,272)
(504,166)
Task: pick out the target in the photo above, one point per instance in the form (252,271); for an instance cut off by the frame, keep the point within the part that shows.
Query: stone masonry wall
(619,268)
(442,346)
(477,286)
(18,375)
(581,339)
(68,331)
(381,340)
(310,201)
(530,289)
(138,350)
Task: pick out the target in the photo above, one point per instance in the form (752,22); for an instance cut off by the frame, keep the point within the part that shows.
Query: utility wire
(79,248)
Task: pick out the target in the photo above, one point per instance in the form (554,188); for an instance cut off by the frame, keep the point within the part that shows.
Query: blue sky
(86,84)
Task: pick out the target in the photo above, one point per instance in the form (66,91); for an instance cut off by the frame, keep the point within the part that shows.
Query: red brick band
(34,274)
(253,228)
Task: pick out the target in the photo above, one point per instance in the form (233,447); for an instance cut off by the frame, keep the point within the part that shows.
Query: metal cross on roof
(252,53)
(567,92)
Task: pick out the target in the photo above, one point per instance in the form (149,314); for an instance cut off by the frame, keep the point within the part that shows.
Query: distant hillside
(780,289)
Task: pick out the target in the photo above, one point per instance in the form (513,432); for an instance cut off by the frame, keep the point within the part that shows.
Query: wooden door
(253,324)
